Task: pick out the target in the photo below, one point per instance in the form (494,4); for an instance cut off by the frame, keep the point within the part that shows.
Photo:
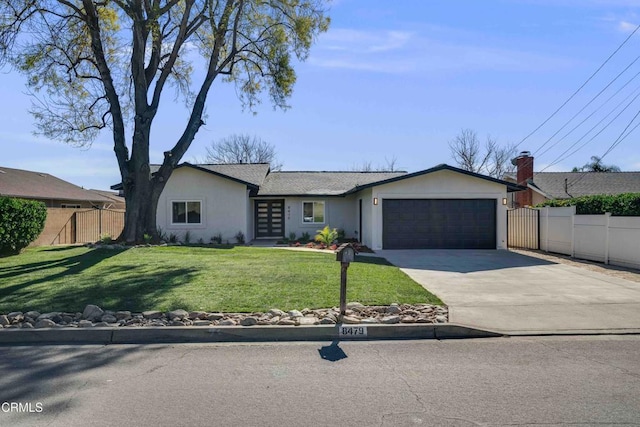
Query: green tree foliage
(21,222)
(596,165)
(94,65)
(627,204)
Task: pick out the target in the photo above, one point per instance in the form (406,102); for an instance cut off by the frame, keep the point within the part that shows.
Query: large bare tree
(243,149)
(390,165)
(107,64)
(489,159)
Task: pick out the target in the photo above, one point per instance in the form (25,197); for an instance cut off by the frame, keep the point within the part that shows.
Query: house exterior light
(375,200)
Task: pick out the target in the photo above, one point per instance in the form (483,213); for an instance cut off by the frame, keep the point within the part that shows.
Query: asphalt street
(499,381)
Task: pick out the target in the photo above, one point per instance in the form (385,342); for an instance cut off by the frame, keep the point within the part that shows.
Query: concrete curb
(572,332)
(188,334)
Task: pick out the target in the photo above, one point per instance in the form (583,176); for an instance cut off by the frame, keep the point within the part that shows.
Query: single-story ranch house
(441,207)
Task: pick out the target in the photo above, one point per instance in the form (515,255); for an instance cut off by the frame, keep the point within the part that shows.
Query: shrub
(627,204)
(147,238)
(217,238)
(21,222)
(187,237)
(305,237)
(173,238)
(239,238)
(326,236)
(292,236)
(162,235)
(106,239)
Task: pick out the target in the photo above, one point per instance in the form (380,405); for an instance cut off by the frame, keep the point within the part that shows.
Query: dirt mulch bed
(609,270)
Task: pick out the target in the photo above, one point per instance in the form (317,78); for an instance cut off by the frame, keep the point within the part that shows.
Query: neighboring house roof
(42,186)
(111,195)
(319,183)
(565,185)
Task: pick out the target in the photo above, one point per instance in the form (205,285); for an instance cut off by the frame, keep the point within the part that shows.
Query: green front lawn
(238,279)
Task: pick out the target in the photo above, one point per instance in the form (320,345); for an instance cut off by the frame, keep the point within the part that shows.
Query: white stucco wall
(439,185)
(340,213)
(224,205)
(367,216)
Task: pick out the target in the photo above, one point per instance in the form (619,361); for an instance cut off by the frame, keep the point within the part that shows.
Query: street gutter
(189,334)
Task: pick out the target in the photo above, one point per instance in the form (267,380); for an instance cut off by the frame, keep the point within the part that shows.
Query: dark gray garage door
(439,224)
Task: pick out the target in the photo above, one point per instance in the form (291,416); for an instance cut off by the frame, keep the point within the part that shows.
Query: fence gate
(523,228)
(91,225)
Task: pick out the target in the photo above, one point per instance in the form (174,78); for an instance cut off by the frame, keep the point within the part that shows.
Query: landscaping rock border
(356,313)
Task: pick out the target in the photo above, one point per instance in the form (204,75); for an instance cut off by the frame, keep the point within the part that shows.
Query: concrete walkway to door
(517,294)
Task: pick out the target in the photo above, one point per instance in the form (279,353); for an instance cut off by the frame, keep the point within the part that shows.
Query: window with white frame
(186,212)
(313,212)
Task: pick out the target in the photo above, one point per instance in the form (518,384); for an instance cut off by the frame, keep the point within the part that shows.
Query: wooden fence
(65,226)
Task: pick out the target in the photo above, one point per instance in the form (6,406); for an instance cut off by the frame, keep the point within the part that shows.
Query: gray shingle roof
(252,173)
(319,183)
(42,186)
(586,183)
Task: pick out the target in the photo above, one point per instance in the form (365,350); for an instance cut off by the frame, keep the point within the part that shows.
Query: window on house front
(313,212)
(187,212)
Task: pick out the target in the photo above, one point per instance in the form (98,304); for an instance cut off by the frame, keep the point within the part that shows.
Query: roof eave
(249,185)
(300,195)
(510,186)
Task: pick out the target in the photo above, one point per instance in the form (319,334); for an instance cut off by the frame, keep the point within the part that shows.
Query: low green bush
(327,235)
(627,204)
(21,222)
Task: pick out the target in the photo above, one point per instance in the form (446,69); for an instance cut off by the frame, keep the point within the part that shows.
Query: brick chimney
(524,175)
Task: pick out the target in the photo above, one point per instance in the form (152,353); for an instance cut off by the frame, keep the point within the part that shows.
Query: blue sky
(399,80)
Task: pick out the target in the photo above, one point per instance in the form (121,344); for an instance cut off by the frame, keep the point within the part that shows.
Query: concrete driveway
(518,294)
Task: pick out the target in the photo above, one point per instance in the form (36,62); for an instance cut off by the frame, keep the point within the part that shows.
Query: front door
(269,218)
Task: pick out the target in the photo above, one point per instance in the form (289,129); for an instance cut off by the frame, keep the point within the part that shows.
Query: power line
(620,138)
(595,111)
(561,158)
(587,104)
(615,144)
(579,89)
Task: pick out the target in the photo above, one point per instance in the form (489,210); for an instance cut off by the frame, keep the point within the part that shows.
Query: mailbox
(346,253)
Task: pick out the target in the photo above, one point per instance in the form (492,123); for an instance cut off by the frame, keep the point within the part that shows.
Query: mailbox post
(346,254)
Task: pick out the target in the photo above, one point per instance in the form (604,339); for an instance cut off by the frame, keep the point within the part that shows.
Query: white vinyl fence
(610,239)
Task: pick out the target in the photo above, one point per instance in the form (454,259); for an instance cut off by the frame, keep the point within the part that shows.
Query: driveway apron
(516,294)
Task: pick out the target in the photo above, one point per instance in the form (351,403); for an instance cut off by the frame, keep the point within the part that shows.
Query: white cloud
(350,40)
(626,27)
(389,51)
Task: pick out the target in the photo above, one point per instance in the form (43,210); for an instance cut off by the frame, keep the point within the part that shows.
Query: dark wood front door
(269,218)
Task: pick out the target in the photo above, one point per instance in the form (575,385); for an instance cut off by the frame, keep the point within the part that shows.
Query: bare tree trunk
(141,189)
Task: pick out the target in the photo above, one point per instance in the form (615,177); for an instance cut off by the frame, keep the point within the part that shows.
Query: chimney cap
(522,155)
